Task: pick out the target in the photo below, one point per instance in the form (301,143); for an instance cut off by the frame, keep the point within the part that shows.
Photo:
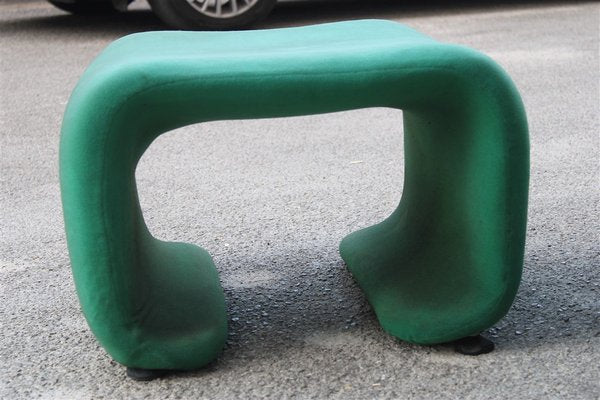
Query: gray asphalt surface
(270,200)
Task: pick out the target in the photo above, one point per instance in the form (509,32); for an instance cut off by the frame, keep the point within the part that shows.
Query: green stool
(444,266)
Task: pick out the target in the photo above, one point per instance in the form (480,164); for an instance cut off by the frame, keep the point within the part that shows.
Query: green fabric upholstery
(446,264)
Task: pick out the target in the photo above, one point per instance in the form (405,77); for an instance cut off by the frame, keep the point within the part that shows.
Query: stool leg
(153,305)
(447,263)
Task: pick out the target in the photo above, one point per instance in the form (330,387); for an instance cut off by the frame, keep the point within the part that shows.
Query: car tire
(85,7)
(211,14)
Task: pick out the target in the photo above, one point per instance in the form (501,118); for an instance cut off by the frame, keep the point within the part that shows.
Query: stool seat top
(335,37)
(333,47)
(303,67)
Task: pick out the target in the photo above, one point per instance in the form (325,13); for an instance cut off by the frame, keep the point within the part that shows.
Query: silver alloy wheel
(222,8)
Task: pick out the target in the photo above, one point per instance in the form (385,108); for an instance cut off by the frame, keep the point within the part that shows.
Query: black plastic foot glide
(473,345)
(141,374)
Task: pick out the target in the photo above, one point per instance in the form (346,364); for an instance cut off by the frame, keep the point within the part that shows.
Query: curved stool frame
(445,265)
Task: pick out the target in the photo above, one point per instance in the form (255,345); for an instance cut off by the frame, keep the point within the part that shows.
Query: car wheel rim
(222,8)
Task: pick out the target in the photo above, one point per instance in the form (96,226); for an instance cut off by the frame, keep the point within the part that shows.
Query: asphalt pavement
(271,199)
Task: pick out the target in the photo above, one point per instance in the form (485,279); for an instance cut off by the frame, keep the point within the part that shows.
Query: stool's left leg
(152,305)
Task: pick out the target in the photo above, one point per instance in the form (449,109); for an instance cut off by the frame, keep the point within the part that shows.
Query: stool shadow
(299,302)
(304,304)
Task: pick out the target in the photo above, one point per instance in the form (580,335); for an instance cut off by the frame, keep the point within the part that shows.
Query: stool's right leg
(153,305)
(447,263)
